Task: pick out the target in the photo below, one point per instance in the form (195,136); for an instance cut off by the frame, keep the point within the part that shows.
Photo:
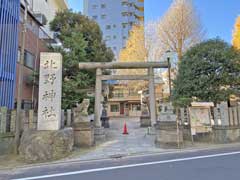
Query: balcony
(124,96)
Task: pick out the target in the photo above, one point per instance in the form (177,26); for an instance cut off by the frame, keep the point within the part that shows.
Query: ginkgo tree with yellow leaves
(236,34)
(134,51)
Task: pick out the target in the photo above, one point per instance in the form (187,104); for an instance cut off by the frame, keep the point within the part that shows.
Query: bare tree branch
(180,27)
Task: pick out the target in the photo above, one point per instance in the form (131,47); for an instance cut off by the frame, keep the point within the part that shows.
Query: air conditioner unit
(41,18)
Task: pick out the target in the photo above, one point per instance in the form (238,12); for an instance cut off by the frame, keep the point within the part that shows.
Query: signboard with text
(200,120)
(50,91)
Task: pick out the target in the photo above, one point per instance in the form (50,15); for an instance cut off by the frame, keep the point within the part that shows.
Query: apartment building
(115,18)
(38,37)
(45,11)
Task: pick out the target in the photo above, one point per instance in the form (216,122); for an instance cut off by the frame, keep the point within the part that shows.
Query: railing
(125,96)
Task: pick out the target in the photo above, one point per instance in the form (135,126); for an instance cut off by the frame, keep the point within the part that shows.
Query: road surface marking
(128,166)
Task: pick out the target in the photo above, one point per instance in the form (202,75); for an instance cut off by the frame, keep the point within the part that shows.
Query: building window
(124,37)
(107,38)
(124,25)
(125,14)
(114,37)
(114,26)
(103,6)
(95,17)
(26,104)
(29,60)
(108,26)
(125,3)
(103,16)
(118,93)
(136,107)
(114,108)
(133,92)
(94,6)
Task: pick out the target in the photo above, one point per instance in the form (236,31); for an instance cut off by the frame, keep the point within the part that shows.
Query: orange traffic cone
(125,131)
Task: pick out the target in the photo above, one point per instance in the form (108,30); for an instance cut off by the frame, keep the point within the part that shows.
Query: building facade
(33,46)
(115,18)
(124,101)
(9,18)
(45,11)
(38,38)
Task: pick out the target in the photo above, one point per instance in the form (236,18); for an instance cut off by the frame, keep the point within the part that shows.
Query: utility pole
(20,80)
(169,73)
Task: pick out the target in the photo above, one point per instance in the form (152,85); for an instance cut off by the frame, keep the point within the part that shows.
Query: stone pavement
(117,144)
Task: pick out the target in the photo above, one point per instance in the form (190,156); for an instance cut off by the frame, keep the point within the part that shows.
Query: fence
(221,115)
(28,120)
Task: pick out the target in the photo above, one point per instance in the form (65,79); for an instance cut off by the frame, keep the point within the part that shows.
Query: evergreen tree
(81,42)
(209,71)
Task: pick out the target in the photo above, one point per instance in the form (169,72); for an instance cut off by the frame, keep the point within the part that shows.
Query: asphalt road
(216,164)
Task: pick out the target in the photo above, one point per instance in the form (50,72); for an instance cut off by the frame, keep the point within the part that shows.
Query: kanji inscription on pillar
(50,91)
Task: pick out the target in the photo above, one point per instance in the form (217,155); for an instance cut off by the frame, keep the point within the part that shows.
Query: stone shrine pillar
(50,91)
(152,96)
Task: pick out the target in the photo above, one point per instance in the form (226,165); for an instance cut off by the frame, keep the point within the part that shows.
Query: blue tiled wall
(9,18)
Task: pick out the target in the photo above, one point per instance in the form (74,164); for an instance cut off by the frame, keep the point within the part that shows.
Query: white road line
(129,166)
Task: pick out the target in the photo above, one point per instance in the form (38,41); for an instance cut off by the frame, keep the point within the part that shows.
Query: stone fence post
(62,118)
(224,114)
(13,121)
(238,114)
(69,117)
(31,119)
(3,119)
(235,116)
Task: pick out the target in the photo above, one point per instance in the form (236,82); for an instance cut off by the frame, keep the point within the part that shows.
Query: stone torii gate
(150,66)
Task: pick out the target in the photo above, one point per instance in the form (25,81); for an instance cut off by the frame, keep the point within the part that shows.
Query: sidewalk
(117,144)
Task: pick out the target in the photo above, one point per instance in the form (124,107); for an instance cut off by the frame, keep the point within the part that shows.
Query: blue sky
(218,16)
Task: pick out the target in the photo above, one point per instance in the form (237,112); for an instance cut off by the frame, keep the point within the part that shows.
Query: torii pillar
(98,95)
(152,98)
(99,134)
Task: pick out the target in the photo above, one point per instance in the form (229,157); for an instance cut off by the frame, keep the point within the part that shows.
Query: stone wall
(222,134)
(41,146)
(6,143)
(225,127)
(168,134)
(28,122)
